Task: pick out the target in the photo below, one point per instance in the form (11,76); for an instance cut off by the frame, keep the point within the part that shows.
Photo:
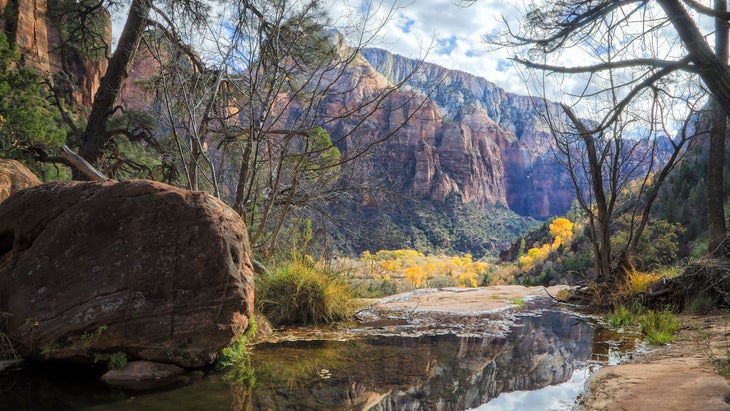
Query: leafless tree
(282,102)
(618,61)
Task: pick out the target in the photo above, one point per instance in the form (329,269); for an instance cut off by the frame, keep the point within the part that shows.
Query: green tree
(30,127)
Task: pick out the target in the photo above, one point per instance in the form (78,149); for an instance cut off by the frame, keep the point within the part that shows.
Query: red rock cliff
(37,33)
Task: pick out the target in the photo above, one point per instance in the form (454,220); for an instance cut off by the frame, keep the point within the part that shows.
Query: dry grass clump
(300,292)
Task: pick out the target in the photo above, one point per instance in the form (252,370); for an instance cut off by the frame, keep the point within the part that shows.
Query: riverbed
(449,349)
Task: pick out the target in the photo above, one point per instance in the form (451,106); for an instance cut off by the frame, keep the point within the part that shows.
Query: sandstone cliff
(490,145)
(37,30)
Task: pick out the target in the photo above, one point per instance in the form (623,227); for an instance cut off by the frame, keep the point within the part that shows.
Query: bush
(638,281)
(660,326)
(621,316)
(700,305)
(300,292)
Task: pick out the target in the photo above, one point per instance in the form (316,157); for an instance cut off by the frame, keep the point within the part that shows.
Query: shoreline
(674,377)
(678,376)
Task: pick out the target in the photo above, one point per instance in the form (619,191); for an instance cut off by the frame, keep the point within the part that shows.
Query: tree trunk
(716,155)
(96,133)
(601,242)
(711,69)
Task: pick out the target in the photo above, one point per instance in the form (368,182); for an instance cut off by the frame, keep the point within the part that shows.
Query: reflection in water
(553,397)
(435,372)
(442,372)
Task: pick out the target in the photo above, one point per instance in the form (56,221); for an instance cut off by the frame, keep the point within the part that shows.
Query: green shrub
(301,292)
(700,305)
(621,317)
(237,352)
(699,249)
(114,361)
(659,326)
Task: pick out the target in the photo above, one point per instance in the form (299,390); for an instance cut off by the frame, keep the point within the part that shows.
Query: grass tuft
(700,305)
(638,281)
(300,292)
(660,326)
(621,317)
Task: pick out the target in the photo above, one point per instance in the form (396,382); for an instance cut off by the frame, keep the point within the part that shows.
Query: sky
(457,33)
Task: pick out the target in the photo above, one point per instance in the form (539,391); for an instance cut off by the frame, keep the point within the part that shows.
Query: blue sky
(457,33)
(453,34)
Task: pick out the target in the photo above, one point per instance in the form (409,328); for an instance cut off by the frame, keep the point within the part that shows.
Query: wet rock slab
(459,311)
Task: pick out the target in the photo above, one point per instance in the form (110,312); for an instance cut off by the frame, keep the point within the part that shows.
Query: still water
(541,363)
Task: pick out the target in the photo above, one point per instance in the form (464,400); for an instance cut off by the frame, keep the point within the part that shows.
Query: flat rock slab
(463,300)
(139,267)
(672,377)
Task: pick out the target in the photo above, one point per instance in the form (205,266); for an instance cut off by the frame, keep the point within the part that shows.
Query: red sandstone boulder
(138,267)
(14,177)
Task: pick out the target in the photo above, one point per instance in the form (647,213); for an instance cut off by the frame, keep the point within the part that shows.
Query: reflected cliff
(442,372)
(371,372)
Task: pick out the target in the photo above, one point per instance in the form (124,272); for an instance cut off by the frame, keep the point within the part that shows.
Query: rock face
(14,177)
(37,32)
(489,145)
(138,267)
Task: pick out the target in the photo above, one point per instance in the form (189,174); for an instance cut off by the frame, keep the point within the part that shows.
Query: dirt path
(679,376)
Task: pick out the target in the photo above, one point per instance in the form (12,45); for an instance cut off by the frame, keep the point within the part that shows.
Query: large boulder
(89,269)
(14,177)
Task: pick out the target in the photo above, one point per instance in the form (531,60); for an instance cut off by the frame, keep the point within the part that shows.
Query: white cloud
(456,34)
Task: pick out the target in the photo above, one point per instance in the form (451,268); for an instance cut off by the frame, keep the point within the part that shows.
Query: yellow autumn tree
(415,275)
(562,229)
(467,278)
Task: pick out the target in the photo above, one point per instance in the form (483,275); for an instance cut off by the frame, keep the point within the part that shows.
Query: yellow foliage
(467,279)
(505,274)
(430,267)
(396,254)
(562,230)
(415,275)
(534,256)
(414,268)
(390,265)
(526,262)
(638,281)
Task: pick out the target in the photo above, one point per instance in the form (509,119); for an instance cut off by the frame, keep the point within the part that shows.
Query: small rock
(143,375)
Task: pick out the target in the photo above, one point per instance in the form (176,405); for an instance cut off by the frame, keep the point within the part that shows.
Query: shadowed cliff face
(37,32)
